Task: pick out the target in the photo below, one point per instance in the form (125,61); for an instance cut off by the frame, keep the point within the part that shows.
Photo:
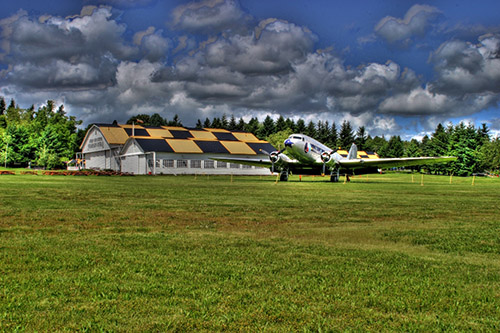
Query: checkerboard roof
(186,140)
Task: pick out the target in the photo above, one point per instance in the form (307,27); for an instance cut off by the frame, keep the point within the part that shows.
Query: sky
(396,67)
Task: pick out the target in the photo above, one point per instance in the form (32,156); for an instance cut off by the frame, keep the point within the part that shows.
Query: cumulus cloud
(415,23)
(210,16)
(121,3)
(465,68)
(65,53)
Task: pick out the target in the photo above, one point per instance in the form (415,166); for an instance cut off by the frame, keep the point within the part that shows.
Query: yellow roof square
(237,147)
(114,135)
(184,146)
(203,135)
(174,128)
(217,130)
(245,136)
(159,132)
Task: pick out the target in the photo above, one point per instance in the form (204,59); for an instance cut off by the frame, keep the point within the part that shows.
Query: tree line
(475,150)
(47,137)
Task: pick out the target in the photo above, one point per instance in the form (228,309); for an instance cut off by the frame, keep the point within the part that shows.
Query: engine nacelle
(274,156)
(326,157)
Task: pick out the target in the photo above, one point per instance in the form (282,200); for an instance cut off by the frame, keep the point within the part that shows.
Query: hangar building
(170,150)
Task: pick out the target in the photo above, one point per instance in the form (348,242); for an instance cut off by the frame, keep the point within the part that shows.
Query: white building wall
(98,154)
(134,160)
(184,164)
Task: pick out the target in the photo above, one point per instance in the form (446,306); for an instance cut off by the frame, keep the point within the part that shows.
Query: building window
(168,163)
(157,163)
(196,164)
(234,166)
(150,163)
(208,164)
(221,164)
(182,163)
(244,166)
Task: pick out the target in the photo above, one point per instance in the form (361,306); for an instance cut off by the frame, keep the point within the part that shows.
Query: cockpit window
(296,137)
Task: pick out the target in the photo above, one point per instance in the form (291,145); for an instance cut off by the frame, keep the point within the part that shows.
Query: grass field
(185,253)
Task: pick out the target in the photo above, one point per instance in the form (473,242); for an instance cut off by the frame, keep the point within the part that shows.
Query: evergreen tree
(465,145)
(333,137)
(376,144)
(199,125)
(426,146)
(18,149)
(323,131)
(311,129)
(253,126)
(438,146)
(290,124)
(439,141)
(12,104)
(232,124)
(489,155)
(29,114)
(361,138)
(223,122)
(280,124)
(300,127)
(483,133)
(207,123)
(346,135)
(216,123)
(241,125)
(2,106)
(13,113)
(412,148)
(267,128)
(175,121)
(395,147)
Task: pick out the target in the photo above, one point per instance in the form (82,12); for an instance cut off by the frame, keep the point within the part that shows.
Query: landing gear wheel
(284,176)
(334,178)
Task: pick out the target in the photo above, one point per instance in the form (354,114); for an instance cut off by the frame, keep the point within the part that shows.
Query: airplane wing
(263,162)
(393,162)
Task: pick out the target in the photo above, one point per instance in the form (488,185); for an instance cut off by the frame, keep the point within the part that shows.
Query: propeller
(325,157)
(274,156)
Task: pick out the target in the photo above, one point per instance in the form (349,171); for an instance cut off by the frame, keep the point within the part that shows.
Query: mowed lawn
(220,253)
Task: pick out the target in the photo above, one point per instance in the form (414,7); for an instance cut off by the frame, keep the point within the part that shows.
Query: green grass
(185,253)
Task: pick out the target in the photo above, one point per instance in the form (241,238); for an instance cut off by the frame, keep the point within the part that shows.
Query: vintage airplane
(310,157)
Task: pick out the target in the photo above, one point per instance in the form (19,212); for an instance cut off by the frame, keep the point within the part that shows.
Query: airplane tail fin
(353,152)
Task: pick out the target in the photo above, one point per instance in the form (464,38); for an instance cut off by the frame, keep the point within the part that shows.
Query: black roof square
(137,132)
(211,146)
(181,134)
(223,136)
(159,145)
(257,147)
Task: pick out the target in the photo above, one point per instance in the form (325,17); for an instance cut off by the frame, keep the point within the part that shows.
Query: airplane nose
(288,143)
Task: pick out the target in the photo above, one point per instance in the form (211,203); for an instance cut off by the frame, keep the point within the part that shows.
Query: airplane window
(296,137)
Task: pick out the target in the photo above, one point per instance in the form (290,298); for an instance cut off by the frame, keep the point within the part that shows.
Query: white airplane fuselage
(305,149)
